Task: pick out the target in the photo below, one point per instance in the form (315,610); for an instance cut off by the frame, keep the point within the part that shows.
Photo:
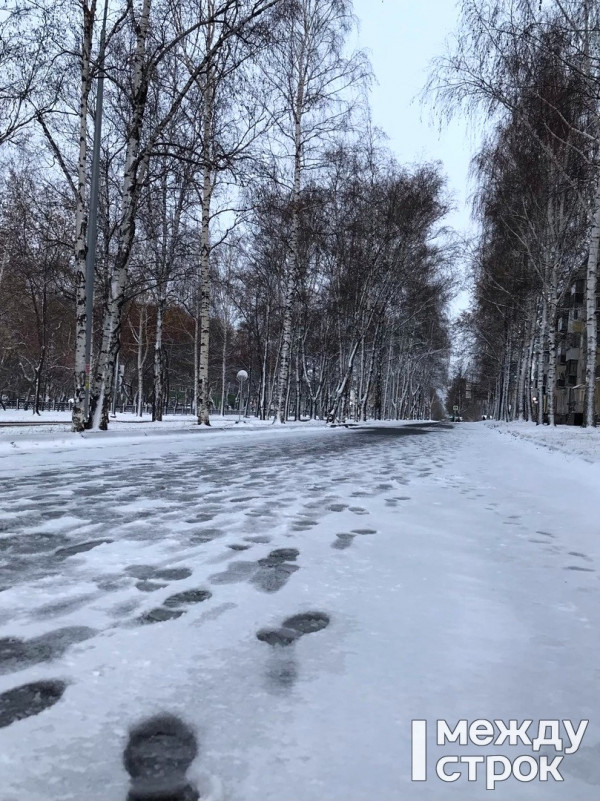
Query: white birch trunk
(591,285)
(82,374)
(223,367)
(340,392)
(506,381)
(157,410)
(196,350)
(524,370)
(126,232)
(292,268)
(140,363)
(540,360)
(552,306)
(264,413)
(203,403)
(369,379)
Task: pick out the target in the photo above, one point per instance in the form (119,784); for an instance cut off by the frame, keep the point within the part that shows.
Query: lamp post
(92,226)
(241,377)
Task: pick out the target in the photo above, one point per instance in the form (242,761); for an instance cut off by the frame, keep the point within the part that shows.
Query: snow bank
(578,442)
(55,430)
(61,421)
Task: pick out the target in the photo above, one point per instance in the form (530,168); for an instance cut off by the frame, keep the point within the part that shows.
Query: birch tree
(489,69)
(307,71)
(152,43)
(50,83)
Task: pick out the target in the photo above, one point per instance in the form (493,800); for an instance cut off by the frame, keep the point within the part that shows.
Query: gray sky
(401,37)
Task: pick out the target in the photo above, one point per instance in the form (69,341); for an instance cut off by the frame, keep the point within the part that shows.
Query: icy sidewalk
(296,598)
(571,440)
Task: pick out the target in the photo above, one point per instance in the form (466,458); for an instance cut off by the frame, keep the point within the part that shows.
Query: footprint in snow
(275,570)
(307,622)
(581,555)
(303,524)
(293,628)
(157,757)
(580,569)
(18,654)
(342,542)
(149,586)
(148,575)
(282,669)
(170,610)
(29,699)
(160,615)
(194,596)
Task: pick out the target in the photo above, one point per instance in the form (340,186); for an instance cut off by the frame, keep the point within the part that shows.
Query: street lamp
(241,377)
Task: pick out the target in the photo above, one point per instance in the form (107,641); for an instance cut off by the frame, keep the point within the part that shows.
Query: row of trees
(533,70)
(248,215)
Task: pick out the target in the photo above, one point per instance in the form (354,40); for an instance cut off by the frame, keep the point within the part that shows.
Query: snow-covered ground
(62,420)
(573,441)
(448,573)
(52,430)
(30,426)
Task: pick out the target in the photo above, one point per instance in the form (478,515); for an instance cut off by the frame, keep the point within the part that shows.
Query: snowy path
(454,571)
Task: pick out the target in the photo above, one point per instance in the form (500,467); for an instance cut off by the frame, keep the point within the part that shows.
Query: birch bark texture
(203,388)
(82,375)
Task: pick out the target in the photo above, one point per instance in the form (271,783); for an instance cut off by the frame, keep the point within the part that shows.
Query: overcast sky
(401,37)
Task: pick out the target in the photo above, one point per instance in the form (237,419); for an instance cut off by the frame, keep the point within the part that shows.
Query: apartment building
(570,356)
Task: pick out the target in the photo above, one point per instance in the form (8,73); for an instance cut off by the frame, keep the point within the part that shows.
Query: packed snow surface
(573,441)
(295,596)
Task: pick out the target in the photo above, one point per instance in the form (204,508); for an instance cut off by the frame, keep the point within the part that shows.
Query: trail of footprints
(268,574)
(515,520)
(578,568)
